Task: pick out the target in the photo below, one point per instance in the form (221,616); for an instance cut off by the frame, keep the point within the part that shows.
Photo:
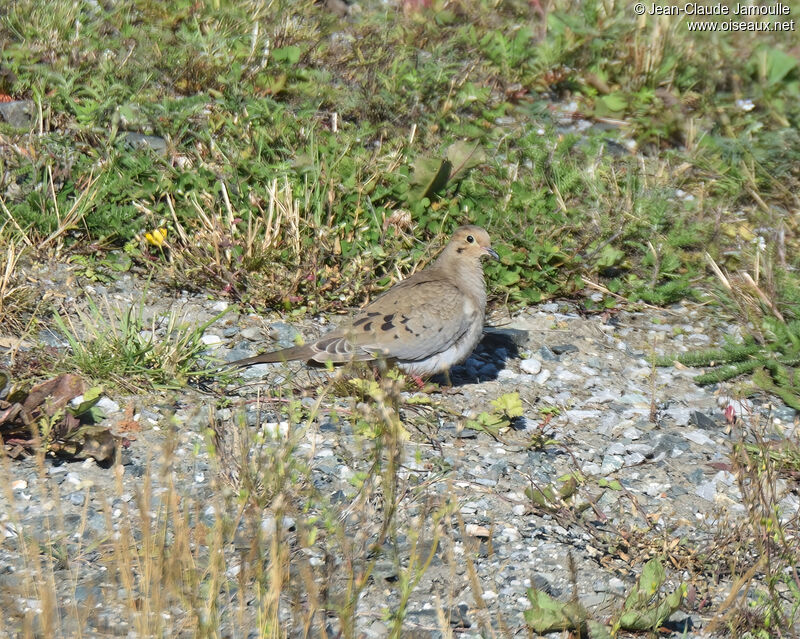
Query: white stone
(531,366)
(211,340)
(698,437)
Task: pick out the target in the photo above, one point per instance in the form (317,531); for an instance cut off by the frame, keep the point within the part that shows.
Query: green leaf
(464,156)
(613,484)
(611,104)
(430,177)
(488,423)
(542,497)
(642,610)
(510,404)
(568,488)
(779,65)
(290,54)
(508,277)
(598,630)
(367,387)
(609,256)
(548,615)
(90,398)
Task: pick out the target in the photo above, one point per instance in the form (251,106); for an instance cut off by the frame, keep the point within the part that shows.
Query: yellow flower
(156,237)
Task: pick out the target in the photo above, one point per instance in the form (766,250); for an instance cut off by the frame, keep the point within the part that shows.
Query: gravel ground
(652,450)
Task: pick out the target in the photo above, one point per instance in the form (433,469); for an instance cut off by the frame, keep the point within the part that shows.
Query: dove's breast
(457,351)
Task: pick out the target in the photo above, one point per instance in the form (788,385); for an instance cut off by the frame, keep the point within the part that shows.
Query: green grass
(352,115)
(119,346)
(311,159)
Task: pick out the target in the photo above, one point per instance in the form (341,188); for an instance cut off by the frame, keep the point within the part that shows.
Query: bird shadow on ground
(497,346)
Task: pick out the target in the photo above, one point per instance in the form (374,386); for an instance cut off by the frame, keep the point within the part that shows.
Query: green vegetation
(303,150)
(119,346)
(769,356)
(644,610)
(289,157)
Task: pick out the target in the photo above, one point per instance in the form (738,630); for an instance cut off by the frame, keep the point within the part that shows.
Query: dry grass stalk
(73,216)
(9,289)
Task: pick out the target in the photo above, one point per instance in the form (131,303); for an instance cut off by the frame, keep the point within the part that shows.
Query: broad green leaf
(612,103)
(548,615)
(642,610)
(779,65)
(464,156)
(568,488)
(542,497)
(290,54)
(510,404)
(90,398)
(609,256)
(430,177)
(650,619)
(509,277)
(598,630)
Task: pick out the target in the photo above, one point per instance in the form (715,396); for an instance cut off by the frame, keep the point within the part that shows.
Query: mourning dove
(424,324)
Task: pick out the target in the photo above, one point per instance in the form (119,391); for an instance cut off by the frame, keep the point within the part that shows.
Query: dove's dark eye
(470,239)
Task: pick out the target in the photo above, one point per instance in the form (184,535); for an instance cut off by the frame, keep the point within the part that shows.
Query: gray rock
(108,406)
(547,355)
(696,476)
(141,141)
(702,421)
(785,413)
(252,333)
(646,450)
(285,335)
(699,437)
(634,459)
(680,414)
(77,499)
(19,113)
(49,338)
(562,349)
(707,490)
(611,463)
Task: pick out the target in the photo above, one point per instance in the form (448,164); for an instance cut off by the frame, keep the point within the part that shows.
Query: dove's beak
(491,253)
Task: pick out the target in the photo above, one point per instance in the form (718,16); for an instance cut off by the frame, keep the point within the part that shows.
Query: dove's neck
(467,275)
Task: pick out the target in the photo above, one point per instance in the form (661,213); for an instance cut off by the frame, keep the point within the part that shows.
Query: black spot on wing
(387,322)
(366,318)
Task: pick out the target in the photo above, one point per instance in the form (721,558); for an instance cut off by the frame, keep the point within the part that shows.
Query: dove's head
(470,243)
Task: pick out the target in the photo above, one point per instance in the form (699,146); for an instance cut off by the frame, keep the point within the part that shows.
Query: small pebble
(531,366)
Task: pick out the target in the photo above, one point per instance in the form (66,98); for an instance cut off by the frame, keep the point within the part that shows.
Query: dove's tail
(283,355)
